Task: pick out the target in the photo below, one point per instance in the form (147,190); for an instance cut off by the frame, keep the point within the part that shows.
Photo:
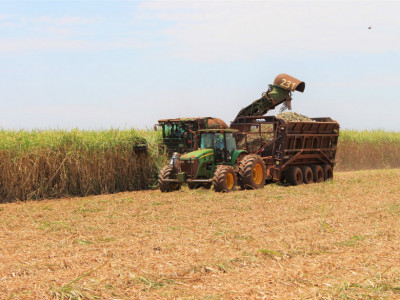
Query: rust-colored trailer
(298,152)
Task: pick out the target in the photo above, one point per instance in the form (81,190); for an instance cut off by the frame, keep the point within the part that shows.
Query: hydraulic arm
(278,93)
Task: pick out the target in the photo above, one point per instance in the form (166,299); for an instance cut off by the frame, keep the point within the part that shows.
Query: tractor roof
(218,130)
(179,119)
(186,119)
(210,120)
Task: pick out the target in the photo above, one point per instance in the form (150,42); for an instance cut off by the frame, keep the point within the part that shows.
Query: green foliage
(353,241)
(68,291)
(368,149)
(270,252)
(54,163)
(151,283)
(369,136)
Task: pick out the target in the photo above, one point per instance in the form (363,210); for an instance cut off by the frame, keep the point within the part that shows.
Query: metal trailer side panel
(303,143)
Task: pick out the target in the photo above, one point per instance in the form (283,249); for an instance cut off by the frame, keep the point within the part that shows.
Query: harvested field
(333,240)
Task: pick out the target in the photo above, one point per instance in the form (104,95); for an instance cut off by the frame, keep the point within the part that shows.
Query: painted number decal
(288,84)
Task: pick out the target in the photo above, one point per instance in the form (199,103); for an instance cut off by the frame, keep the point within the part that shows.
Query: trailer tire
(294,176)
(307,174)
(252,172)
(318,173)
(225,179)
(328,172)
(167,172)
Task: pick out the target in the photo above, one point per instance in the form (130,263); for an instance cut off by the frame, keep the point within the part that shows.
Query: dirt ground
(333,240)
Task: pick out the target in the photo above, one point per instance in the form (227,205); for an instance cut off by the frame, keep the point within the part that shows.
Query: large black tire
(307,174)
(225,179)
(294,176)
(318,173)
(168,172)
(252,172)
(328,172)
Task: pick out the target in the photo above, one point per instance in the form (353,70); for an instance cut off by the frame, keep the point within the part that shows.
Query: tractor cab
(222,142)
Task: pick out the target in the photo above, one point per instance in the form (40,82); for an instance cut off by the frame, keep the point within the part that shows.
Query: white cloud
(240,30)
(366,81)
(222,30)
(49,20)
(5,17)
(49,44)
(68,20)
(69,33)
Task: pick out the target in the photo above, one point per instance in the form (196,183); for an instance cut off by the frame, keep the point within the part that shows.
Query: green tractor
(218,162)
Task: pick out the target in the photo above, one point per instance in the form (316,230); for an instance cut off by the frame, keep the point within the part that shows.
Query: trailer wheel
(328,172)
(318,173)
(167,172)
(307,174)
(252,172)
(225,179)
(294,176)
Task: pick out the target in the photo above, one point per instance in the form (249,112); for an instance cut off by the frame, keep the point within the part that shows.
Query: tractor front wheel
(252,172)
(167,172)
(225,179)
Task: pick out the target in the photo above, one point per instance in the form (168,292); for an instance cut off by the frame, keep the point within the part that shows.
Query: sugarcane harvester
(181,134)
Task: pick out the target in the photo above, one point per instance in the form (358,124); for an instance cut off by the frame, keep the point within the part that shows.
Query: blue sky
(102,64)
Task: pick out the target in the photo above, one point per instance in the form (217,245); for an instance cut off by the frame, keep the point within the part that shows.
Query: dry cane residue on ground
(321,241)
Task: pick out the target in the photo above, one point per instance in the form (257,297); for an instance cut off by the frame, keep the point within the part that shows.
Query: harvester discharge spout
(279,92)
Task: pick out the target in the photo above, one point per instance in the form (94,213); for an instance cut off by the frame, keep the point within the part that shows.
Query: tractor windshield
(216,141)
(230,143)
(207,141)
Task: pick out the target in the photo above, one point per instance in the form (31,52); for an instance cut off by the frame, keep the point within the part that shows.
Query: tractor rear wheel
(167,172)
(225,179)
(328,172)
(307,174)
(294,176)
(318,173)
(252,172)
